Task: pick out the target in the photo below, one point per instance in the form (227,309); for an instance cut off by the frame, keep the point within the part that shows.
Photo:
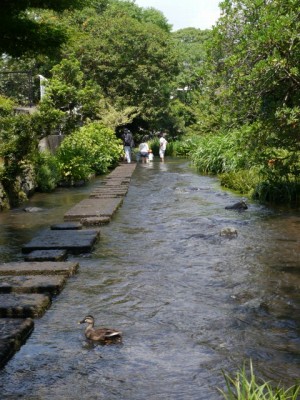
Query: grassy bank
(264,174)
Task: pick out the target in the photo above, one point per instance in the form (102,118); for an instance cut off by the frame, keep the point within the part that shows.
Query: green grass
(245,386)
(244,181)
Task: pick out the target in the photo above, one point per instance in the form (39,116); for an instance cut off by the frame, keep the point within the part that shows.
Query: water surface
(190,302)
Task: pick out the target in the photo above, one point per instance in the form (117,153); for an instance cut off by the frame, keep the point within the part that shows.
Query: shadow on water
(190,302)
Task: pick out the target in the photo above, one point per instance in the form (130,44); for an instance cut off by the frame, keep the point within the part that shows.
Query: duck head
(89,319)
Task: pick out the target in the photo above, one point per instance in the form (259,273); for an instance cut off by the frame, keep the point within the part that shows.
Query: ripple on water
(189,302)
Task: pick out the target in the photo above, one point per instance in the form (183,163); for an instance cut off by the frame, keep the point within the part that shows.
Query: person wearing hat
(162,146)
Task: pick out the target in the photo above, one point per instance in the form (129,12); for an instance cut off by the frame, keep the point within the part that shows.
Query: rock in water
(229,232)
(32,209)
(239,206)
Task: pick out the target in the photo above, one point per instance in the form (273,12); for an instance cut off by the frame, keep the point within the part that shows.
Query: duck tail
(113,334)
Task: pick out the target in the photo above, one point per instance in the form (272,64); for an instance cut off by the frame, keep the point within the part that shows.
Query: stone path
(27,288)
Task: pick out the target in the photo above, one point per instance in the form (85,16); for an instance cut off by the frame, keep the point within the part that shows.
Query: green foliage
(186,146)
(264,173)
(22,30)
(190,44)
(222,153)
(131,60)
(243,181)
(92,149)
(6,106)
(17,141)
(18,145)
(247,103)
(280,179)
(69,99)
(244,387)
(47,172)
(114,117)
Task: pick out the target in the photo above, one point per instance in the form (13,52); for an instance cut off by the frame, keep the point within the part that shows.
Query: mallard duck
(99,334)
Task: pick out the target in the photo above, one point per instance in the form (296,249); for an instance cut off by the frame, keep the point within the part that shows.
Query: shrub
(47,172)
(6,106)
(91,150)
(186,146)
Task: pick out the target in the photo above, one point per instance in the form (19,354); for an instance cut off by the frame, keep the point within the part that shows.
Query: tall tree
(22,29)
(256,52)
(131,59)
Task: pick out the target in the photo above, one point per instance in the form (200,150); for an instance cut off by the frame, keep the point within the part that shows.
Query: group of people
(145,153)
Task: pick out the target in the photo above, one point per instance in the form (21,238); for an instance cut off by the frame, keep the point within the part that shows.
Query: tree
(22,29)
(190,44)
(133,61)
(257,46)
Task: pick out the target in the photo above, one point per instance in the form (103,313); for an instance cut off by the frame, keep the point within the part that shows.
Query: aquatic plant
(245,386)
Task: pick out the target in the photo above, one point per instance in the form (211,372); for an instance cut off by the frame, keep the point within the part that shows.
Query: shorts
(144,154)
(161,153)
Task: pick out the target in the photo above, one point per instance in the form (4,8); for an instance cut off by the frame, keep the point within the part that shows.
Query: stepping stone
(90,221)
(114,182)
(51,285)
(46,255)
(67,226)
(39,268)
(74,241)
(106,195)
(93,208)
(15,305)
(13,333)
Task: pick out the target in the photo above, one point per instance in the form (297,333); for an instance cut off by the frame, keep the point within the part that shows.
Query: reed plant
(244,181)
(222,153)
(186,146)
(245,386)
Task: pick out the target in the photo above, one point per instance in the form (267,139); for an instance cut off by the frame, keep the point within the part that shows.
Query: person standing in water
(144,150)
(162,146)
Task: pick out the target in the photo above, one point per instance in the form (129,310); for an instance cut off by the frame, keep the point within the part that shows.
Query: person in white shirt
(162,146)
(144,150)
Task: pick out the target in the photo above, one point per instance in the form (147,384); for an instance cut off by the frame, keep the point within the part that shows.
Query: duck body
(100,334)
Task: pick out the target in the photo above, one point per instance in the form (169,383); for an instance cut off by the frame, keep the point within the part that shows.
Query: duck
(100,334)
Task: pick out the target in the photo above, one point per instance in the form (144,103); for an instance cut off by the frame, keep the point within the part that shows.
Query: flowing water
(190,302)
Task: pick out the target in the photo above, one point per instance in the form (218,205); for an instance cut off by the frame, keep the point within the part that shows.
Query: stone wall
(51,143)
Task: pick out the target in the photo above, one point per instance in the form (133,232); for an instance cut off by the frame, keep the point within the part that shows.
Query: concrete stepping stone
(95,221)
(13,333)
(103,194)
(47,255)
(15,305)
(114,181)
(122,191)
(74,241)
(124,171)
(51,285)
(93,208)
(112,188)
(67,226)
(66,268)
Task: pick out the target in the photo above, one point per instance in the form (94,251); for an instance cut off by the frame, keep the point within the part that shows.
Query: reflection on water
(190,303)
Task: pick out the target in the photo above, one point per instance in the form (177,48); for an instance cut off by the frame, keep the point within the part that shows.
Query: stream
(190,303)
